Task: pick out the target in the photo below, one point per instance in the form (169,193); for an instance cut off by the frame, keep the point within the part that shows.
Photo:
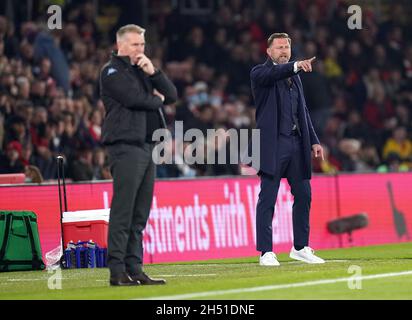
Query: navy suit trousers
(290,165)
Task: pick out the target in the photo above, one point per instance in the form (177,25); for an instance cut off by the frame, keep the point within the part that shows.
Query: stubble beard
(281,60)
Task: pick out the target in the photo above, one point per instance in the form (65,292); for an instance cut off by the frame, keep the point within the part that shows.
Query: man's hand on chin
(145,63)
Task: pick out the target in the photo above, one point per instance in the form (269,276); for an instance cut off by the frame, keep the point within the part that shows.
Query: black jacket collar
(124,59)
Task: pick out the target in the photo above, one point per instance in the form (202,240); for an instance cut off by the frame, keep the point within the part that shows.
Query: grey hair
(129,28)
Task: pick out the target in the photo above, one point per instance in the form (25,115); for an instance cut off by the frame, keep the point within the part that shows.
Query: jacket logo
(110,71)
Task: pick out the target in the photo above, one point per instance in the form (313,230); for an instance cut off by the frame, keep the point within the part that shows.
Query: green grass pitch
(385,273)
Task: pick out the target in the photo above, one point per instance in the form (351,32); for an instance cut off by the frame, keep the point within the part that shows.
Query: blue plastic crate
(85,254)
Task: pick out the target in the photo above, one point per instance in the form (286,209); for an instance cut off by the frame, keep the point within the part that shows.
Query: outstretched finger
(311,59)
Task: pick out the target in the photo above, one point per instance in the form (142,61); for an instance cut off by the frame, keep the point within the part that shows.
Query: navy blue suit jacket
(265,81)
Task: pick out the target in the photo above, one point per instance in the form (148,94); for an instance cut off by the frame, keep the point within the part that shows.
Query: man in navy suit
(287,140)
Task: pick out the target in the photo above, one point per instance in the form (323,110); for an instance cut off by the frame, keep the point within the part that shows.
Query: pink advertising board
(215,218)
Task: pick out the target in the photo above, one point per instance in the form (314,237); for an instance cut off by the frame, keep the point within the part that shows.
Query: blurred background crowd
(359,94)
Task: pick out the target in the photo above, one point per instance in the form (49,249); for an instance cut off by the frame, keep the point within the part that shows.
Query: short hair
(129,28)
(281,35)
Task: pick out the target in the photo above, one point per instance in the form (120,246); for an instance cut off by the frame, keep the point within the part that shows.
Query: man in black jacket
(133,92)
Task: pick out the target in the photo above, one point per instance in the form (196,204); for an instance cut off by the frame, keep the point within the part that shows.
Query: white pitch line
(303,263)
(277,287)
(177,275)
(25,280)
(247,263)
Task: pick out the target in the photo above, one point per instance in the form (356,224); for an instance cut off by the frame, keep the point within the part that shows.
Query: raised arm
(264,75)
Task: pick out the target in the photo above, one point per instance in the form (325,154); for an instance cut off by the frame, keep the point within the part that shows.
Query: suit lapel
(268,62)
(298,82)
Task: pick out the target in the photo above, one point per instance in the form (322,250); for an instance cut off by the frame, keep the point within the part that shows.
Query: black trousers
(290,165)
(133,174)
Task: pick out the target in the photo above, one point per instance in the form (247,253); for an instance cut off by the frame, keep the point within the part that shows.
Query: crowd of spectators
(359,94)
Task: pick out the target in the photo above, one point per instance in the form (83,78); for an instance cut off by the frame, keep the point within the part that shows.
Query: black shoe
(144,279)
(123,279)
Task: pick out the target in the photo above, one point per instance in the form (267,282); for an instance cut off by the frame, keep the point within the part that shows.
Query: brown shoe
(123,279)
(144,279)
